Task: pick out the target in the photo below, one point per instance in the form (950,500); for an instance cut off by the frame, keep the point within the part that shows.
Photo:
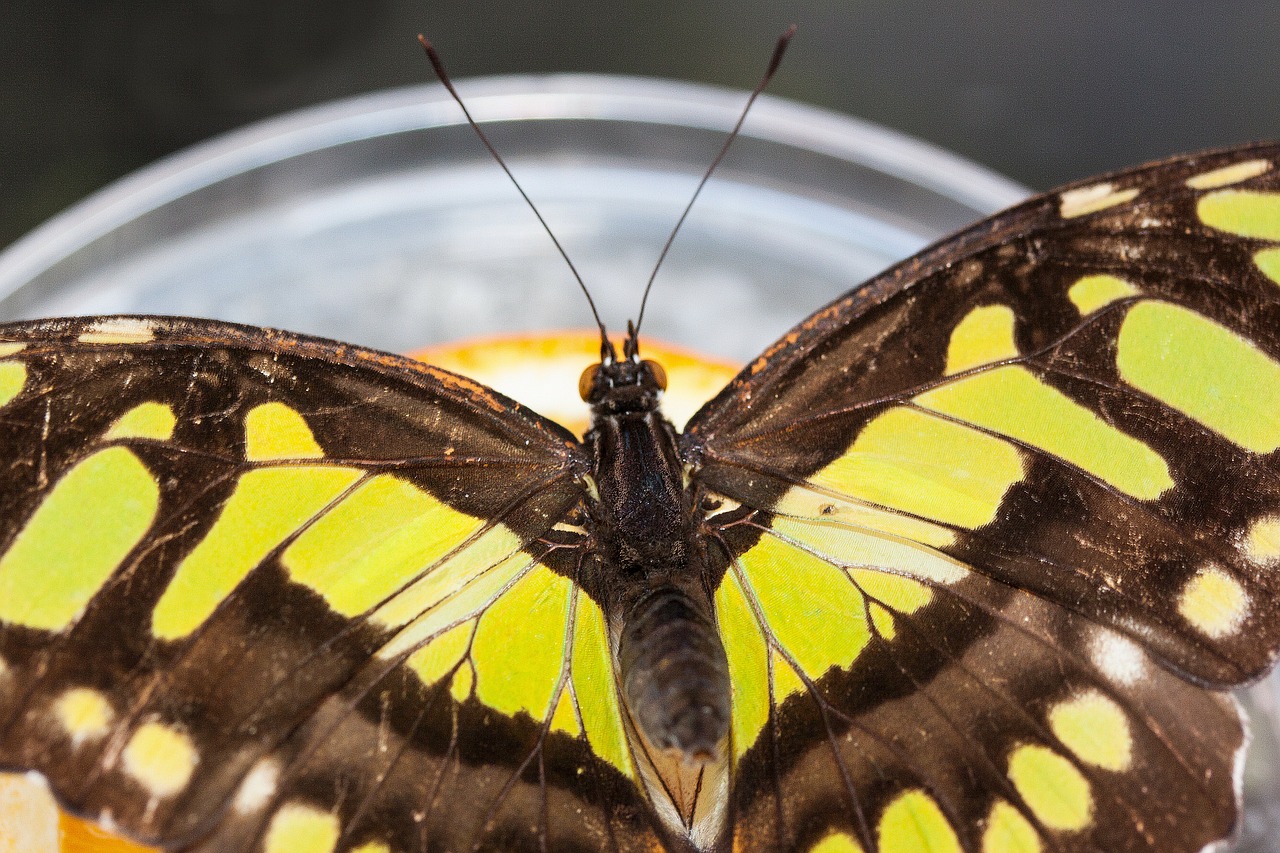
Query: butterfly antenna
(779,49)
(448,84)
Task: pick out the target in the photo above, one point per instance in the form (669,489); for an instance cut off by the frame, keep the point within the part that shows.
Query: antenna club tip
(424,41)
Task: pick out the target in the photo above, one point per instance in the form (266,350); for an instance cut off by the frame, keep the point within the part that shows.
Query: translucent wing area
(267,593)
(993,517)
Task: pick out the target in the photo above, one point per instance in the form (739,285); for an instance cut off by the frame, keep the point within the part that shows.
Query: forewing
(1022,485)
(260,592)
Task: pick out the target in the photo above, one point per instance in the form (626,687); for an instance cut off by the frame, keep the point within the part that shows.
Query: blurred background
(1043,93)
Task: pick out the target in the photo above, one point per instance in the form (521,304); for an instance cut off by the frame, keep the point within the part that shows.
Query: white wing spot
(119,330)
(1228,175)
(1119,658)
(1093,198)
(258,787)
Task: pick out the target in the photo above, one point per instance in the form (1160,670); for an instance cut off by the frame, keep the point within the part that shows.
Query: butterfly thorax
(653,580)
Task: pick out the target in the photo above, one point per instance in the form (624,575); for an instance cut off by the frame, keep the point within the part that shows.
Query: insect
(961,563)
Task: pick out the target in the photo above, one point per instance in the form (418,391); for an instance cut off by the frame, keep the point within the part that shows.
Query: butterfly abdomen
(675,676)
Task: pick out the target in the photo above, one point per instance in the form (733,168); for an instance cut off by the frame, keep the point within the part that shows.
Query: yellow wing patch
(837,842)
(373,542)
(1007,831)
(86,526)
(1261,542)
(745,648)
(1204,370)
(924,465)
(161,758)
(914,823)
(1095,729)
(1214,603)
(1268,260)
(1011,401)
(275,431)
(1092,292)
(266,507)
(595,687)
(300,828)
(84,714)
(1243,212)
(1056,792)
(13,376)
(524,678)
(985,335)
(146,420)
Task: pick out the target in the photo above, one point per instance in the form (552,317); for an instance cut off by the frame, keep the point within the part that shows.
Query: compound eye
(658,372)
(587,381)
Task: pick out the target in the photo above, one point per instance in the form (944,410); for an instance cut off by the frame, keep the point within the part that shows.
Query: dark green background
(1042,92)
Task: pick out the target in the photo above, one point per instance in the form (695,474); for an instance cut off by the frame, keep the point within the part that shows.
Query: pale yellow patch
(275,431)
(808,503)
(1013,401)
(811,606)
(1092,292)
(119,330)
(1095,729)
(882,619)
(1227,175)
(595,687)
(300,828)
(1205,370)
(8,348)
(267,505)
(1091,199)
(161,758)
(1007,831)
(441,656)
(84,714)
(13,376)
(786,681)
(914,823)
(837,842)
(985,335)
(513,678)
(374,543)
(463,683)
(1214,603)
(1247,213)
(373,847)
(28,815)
(1262,540)
(744,646)
(1056,792)
(565,717)
(146,420)
(77,537)
(452,592)
(930,467)
(849,547)
(1268,261)
(258,787)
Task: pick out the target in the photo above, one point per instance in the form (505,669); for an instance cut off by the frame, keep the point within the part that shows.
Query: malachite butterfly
(963,562)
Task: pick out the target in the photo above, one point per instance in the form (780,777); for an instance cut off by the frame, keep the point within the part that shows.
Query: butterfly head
(617,386)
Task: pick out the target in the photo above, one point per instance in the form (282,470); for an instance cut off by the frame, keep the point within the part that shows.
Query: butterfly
(963,562)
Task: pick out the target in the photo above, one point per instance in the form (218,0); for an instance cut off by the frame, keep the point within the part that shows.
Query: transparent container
(380,220)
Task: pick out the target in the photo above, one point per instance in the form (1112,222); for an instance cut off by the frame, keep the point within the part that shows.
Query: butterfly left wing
(261,592)
(989,520)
